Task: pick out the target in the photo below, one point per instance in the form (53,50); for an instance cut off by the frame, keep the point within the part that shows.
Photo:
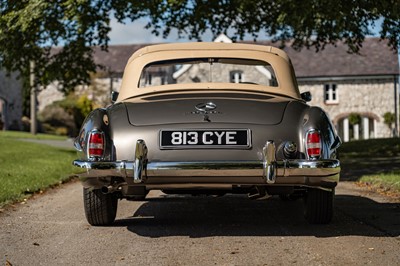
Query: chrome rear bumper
(315,173)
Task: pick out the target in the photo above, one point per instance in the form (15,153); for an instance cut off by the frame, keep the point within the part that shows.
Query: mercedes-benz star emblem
(206,107)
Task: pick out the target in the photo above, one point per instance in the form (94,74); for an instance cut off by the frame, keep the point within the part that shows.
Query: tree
(30,29)
(354,119)
(389,119)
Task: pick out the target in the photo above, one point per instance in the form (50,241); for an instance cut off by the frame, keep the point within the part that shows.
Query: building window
(236,77)
(148,80)
(331,94)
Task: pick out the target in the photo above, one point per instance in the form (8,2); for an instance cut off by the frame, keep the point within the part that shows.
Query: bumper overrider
(297,172)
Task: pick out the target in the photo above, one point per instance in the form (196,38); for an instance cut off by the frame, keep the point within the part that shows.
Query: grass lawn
(374,162)
(384,181)
(26,135)
(371,148)
(26,167)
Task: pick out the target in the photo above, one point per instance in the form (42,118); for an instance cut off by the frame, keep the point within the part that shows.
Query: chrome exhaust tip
(110,189)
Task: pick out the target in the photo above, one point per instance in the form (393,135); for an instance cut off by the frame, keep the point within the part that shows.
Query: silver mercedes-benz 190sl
(208,118)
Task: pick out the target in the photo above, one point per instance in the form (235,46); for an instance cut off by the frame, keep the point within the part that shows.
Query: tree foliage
(65,116)
(354,119)
(389,119)
(29,29)
(307,23)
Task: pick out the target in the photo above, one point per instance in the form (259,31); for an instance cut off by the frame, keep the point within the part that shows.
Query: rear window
(208,70)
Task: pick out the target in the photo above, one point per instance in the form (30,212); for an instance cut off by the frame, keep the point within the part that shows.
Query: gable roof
(116,57)
(375,59)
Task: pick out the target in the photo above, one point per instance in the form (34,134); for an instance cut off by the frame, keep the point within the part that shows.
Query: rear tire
(319,206)
(100,209)
(289,197)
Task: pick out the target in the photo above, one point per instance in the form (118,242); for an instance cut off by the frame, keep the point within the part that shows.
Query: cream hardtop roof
(278,59)
(191,46)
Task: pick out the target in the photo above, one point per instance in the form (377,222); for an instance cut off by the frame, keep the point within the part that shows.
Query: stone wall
(98,92)
(10,101)
(49,95)
(367,97)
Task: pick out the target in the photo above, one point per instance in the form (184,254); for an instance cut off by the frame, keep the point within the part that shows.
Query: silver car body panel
(133,155)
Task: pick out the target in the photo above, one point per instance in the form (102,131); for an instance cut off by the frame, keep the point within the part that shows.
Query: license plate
(205,138)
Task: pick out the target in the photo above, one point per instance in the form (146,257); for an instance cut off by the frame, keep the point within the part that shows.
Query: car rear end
(209,119)
(279,147)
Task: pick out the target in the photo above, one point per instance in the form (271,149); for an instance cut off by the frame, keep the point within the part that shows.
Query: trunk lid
(232,109)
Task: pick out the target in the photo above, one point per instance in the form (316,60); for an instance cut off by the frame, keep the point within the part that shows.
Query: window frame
(145,79)
(331,95)
(236,76)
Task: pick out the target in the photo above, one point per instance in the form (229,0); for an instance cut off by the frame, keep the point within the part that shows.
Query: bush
(61,131)
(84,105)
(354,119)
(65,117)
(78,107)
(54,117)
(389,118)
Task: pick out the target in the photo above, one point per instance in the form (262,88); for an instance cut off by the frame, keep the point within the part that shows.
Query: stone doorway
(364,129)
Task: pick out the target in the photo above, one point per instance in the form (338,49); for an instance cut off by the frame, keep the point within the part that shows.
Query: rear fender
(316,118)
(97,120)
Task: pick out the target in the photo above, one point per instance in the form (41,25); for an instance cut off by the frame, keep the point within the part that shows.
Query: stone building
(10,101)
(102,83)
(347,86)
(363,85)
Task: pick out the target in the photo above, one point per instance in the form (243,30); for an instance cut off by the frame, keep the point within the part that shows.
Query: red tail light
(313,144)
(96,144)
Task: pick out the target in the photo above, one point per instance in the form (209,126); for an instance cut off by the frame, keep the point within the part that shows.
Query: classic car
(208,119)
